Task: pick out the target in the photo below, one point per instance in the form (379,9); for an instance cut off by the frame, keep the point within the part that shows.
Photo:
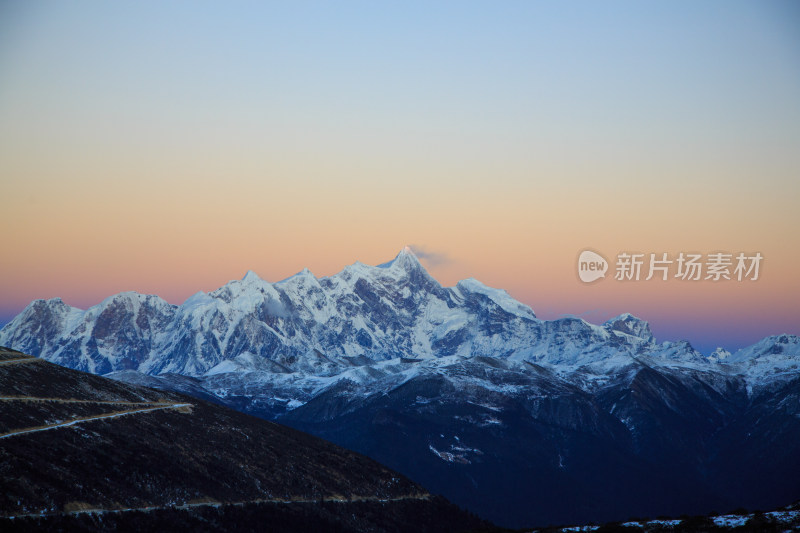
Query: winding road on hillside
(114,414)
(20,360)
(125,408)
(143,407)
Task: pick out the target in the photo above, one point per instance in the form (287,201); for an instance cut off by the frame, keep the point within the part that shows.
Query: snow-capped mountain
(301,323)
(462,388)
(322,326)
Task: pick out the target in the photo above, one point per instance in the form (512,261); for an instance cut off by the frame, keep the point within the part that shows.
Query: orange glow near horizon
(257,138)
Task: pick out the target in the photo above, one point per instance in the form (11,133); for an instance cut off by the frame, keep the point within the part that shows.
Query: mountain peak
(498,296)
(630,325)
(779,346)
(720,354)
(251,276)
(406,260)
(406,254)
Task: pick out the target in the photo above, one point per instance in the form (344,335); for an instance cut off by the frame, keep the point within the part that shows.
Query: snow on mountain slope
(498,296)
(344,326)
(771,360)
(630,325)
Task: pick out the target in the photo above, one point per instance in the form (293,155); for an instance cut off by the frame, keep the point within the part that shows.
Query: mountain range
(463,389)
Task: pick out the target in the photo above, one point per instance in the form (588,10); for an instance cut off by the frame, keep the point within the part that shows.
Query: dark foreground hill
(81,452)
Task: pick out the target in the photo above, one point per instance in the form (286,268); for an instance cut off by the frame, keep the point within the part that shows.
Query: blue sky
(504,136)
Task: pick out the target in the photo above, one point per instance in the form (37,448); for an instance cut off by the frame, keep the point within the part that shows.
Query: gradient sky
(168,147)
